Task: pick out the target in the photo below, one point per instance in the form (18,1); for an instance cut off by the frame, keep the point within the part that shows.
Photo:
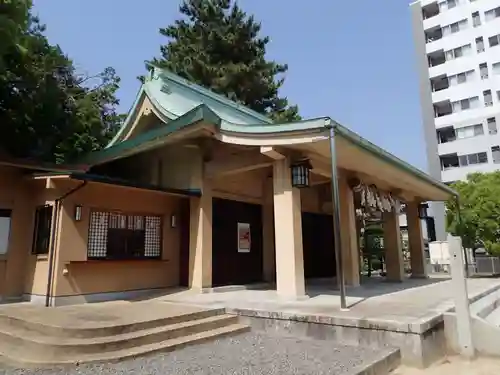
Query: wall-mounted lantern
(78,212)
(300,173)
(422,210)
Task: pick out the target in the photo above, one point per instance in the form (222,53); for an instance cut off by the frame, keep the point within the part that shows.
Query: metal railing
(487,266)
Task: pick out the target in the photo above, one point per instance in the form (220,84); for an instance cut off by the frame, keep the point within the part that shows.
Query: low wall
(420,344)
(485,336)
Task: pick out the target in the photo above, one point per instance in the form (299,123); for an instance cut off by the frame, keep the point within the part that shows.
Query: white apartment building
(458,59)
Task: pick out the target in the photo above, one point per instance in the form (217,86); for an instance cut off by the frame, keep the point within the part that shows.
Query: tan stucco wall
(16,194)
(84,276)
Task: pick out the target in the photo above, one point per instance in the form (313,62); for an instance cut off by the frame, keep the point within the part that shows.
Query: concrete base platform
(408,315)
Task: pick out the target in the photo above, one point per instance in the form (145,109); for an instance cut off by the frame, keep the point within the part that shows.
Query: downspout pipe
(336,216)
(53,235)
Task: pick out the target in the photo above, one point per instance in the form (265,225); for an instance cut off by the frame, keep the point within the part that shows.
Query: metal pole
(459,218)
(336,220)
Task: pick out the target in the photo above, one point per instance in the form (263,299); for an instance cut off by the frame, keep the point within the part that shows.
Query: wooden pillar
(200,239)
(393,248)
(415,241)
(269,257)
(349,244)
(288,233)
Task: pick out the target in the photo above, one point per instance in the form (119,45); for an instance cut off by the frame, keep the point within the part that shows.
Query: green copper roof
(180,104)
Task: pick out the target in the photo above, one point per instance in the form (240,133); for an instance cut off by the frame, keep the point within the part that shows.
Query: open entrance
(318,245)
(236,257)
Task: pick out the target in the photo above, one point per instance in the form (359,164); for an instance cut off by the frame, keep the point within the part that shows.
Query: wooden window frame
(103,244)
(37,241)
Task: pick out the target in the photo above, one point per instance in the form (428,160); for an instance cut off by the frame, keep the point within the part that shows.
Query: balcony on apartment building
(436,58)
(433,34)
(449,161)
(439,83)
(445,135)
(430,10)
(443,108)
(452,161)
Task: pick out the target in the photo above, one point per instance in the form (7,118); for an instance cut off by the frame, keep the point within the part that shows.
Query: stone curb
(380,366)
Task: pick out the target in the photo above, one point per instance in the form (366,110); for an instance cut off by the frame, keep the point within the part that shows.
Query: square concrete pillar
(269,256)
(415,241)
(288,233)
(349,241)
(200,239)
(393,247)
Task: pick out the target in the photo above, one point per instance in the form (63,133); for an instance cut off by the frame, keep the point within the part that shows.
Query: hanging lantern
(300,173)
(422,210)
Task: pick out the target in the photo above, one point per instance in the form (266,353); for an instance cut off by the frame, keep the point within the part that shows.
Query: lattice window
(98,234)
(119,236)
(152,243)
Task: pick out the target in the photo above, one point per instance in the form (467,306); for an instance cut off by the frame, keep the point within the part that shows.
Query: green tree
(479,221)
(217,45)
(47,110)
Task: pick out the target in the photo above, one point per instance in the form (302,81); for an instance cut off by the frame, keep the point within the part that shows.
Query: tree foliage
(479,220)
(217,45)
(48,110)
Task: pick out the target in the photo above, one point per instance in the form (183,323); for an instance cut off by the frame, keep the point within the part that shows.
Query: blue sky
(351,62)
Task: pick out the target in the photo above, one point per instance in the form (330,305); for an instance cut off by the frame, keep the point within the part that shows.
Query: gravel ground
(250,353)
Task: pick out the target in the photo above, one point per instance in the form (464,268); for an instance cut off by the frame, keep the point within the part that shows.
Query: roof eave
(391,159)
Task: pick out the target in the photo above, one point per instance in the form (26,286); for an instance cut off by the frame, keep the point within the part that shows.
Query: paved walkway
(405,302)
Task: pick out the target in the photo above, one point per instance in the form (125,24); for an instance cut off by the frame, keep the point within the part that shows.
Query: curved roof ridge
(169,75)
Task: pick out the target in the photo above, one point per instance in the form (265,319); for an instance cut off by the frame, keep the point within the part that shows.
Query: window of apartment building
(480,44)
(492,14)
(495,68)
(458,52)
(469,131)
(488,98)
(492,125)
(448,4)
(454,27)
(459,78)
(115,235)
(465,104)
(476,19)
(483,70)
(43,223)
(4,230)
(471,159)
(494,40)
(495,154)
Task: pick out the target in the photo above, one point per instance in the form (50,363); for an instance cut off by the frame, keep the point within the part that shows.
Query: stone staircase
(26,343)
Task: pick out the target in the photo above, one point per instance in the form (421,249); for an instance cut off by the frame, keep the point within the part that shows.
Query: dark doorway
(184,218)
(318,245)
(230,267)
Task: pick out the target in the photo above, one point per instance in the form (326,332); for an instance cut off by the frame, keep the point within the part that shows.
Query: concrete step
(486,305)
(494,317)
(14,342)
(100,329)
(116,355)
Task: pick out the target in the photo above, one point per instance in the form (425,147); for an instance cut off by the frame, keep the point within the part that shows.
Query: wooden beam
(238,163)
(275,153)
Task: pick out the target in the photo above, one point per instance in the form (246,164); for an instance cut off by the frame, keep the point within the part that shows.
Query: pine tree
(217,45)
